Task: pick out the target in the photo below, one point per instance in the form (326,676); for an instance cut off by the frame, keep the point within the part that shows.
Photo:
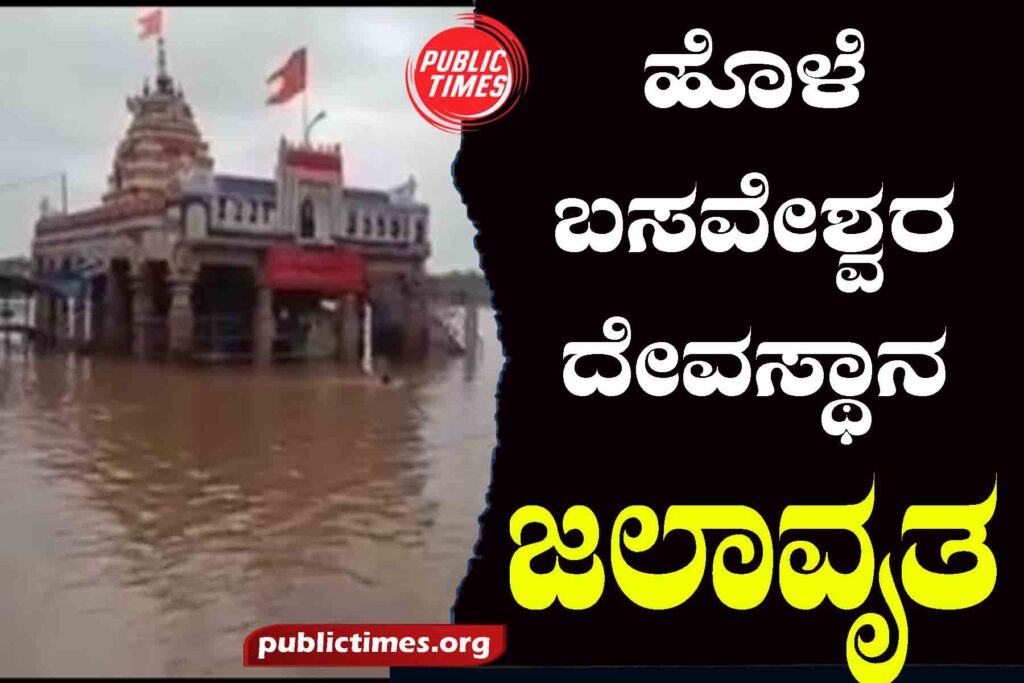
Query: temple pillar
(470,324)
(58,321)
(80,307)
(87,313)
(367,336)
(73,319)
(180,317)
(142,311)
(348,328)
(263,325)
(115,312)
(41,319)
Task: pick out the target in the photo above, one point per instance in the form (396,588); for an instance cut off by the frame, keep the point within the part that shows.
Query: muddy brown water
(151,515)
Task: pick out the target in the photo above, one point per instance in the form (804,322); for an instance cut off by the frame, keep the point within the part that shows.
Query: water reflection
(152,516)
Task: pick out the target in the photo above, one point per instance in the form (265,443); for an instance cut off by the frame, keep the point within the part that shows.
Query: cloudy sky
(67,73)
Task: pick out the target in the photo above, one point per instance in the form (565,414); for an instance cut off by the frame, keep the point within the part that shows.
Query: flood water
(151,516)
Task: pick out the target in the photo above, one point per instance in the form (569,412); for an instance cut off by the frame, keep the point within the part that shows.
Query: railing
(15,331)
(14,311)
(27,322)
(244,213)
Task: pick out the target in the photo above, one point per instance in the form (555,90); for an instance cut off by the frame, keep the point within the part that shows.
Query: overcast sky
(67,72)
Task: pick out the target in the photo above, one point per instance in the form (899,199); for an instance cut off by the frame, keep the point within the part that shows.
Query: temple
(180,261)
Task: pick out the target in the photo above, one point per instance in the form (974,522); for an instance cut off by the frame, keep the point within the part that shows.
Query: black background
(937,106)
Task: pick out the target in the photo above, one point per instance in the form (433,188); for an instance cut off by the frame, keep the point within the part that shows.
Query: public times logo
(467,76)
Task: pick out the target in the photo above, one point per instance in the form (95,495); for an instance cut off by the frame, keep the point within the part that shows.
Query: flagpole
(305,115)
(305,99)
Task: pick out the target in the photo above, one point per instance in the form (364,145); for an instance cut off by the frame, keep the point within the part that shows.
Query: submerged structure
(180,261)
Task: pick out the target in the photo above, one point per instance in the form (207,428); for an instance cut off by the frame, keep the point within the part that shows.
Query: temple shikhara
(178,260)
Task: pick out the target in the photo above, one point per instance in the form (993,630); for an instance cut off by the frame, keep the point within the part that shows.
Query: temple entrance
(317,298)
(306,325)
(224,299)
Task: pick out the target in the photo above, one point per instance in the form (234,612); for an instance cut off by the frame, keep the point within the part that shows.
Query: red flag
(151,23)
(293,78)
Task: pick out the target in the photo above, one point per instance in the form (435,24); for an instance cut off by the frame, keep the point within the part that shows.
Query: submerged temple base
(222,309)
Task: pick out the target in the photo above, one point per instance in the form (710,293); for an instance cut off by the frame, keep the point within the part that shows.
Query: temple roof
(127,207)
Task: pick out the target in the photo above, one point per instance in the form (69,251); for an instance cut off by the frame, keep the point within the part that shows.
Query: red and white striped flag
(151,23)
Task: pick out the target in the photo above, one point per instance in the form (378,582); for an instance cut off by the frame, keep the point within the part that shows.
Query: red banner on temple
(320,165)
(333,271)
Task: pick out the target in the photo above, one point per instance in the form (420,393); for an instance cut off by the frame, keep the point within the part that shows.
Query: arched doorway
(307,223)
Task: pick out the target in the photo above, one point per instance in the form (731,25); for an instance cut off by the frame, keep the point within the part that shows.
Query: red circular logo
(467,76)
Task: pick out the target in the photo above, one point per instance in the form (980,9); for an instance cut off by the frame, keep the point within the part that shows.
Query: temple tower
(310,190)
(162,140)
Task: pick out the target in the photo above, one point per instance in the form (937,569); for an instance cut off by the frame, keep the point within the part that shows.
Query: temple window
(367,226)
(352,223)
(421,231)
(396,228)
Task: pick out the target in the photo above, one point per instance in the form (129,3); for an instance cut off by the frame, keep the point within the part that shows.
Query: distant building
(179,260)
(15,265)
